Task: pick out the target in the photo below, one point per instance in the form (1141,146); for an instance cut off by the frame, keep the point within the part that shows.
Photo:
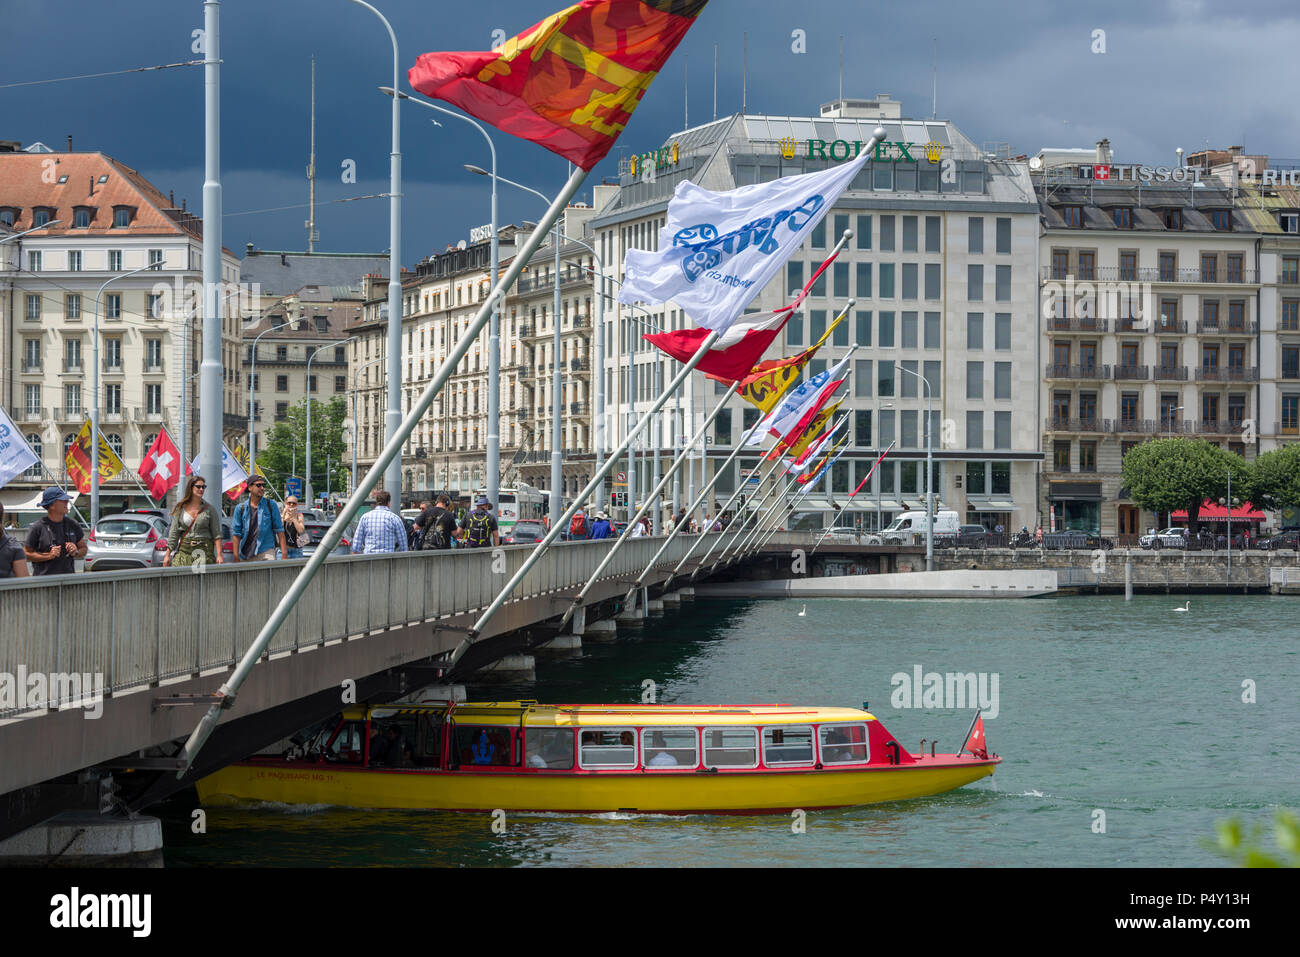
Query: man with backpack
(437,525)
(479,528)
(578,526)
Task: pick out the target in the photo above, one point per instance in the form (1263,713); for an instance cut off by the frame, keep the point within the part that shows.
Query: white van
(910,527)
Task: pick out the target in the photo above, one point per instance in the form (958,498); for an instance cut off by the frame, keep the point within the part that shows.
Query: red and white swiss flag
(737,350)
(1101,171)
(976,744)
(162,466)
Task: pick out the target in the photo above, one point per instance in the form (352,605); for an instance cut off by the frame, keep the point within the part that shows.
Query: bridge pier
(509,668)
(671,599)
(686,593)
(440,692)
(655,607)
(87,839)
(601,631)
(561,643)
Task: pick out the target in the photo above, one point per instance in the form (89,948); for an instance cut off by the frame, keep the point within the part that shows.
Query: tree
(1166,475)
(1275,478)
(286,446)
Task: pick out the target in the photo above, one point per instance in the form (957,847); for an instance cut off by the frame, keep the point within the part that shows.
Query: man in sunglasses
(257,527)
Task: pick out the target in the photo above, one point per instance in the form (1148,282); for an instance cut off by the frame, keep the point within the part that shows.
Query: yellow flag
(767,382)
(77,460)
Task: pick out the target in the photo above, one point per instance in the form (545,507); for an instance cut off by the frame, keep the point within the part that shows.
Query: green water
(1104,705)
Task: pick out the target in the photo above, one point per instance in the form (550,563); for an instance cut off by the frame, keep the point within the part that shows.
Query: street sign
(293,486)
(620,477)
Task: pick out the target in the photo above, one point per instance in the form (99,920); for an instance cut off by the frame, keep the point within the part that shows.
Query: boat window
(429,753)
(607,748)
(731,747)
(393,743)
(483,745)
(844,743)
(550,748)
(670,747)
(786,745)
(346,743)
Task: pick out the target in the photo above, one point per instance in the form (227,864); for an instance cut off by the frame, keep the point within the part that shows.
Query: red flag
(162,466)
(737,350)
(976,743)
(569,83)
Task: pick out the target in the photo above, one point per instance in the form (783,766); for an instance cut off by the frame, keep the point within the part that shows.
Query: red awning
(1211,512)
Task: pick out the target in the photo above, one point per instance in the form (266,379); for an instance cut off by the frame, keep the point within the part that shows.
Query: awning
(1211,512)
(990,505)
(1076,491)
(33,501)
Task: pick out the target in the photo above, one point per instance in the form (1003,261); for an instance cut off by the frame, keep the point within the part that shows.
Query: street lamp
(598,372)
(494,323)
(929,469)
(356,425)
(556,403)
(94,408)
(879,517)
(1229,502)
(35,229)
(307,485)
(252,376)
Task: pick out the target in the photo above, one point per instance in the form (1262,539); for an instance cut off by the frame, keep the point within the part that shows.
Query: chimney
(248,249)
(69,142)
(171,198)
(1234,150)
(1103,152)
(92,187)
(182,205)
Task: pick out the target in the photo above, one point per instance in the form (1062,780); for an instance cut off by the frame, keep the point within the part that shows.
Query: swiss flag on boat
(976,743)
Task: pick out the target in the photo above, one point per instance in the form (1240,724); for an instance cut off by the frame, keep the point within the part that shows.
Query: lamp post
(307,485)
(598,372)
(1229,503)
(393,413)
(94,408)
(356,425)
(929,470)
(252,375)
(557,405)
(494,323)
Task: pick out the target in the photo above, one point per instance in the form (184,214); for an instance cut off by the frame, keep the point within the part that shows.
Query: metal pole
(252,374)
(743,536)
(1229,581)
(356,424)
(391,451)
(598,373)
(929,470)
(310,496)
(211,399)
(656,433)
(630,490)
(557,401)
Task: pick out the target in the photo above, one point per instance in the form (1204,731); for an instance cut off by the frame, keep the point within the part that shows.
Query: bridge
(108,670)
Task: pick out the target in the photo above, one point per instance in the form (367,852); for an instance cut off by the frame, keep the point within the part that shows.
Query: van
(909,528)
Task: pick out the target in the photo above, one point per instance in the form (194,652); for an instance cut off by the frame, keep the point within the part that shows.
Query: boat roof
(534,714)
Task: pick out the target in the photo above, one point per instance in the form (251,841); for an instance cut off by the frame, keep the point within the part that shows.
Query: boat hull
(750,792)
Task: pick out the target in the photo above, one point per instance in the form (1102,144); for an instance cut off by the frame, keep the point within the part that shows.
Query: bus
(517,503)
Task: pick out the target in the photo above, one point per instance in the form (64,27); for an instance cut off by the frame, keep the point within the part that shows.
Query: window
(974,380)
(885,379)
(787,745)
(886,280)
(864,280)
(281,353)
(1210,409)
(113,399)
(40,216)
(862,428)
(1291,362)
(909,280)
(72,354)
(818,240)
(74,260)
(154,305)
(1236,411)
(7,215)
(932,234)
(31,355)
(121,217)
(1002,331)
(1087,264)
(1290,222)
(1291,314)
(153,398)
(1234,268)
(731,747)
(974,430)
(115,260)
(819,286)
(33,308)
(282,383)
(1128,407)
(113,353)
(72,306)
(974,330)
(1002,380)
(931,335)
(1002,430)
(1291,269)
(933,288)
(1222,219)
(975,234)
(793,277)
(1087,456)
(113,305)
(153,354)
(910,385)
(32,399)
(340,383)
(1173,218)
(607,748)
(887,433)
(670,748)
(794,330)
(1169,313)
(81,217)
(840,285)
(887,233)
(114,440)
(1002,283)
(1291,414)
(975,282)
(1060,263)
(281,410)
(816,324)
(1001,478)
(909,330)
(1061,456)
(864,327)
(863,232)
(1003,234)
(1210,314)
(311,384)
(862,378)
(722,428)
(34,260)
(1073,215)
(1168,267)
(932,377)
(1123,216)
(155,259)
(885,330)
(1128,266)
(907,428)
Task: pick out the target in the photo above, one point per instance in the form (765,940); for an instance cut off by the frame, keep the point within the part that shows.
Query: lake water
(1127,708)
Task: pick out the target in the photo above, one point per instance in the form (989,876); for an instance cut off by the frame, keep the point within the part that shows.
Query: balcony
(1169,327)
(113,368)
(143,416)
(579,365)
(523,330)
(69,413)
(1231,329)
(1058,423)
(1087,325)
(1092,371)
(1222,275)
(31,368)
(1132,426)
(579,408)
(578,322)
(1216,427)
(1170,374)
(73,368)
(1132,373)
(1228,374)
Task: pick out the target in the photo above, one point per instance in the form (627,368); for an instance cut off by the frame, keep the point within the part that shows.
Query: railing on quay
(139,628)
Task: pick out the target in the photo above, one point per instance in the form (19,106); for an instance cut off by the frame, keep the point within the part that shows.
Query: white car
(1174,537)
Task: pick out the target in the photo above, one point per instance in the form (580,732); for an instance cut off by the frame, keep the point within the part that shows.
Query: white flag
(718,250)
(232,473)
(16,455)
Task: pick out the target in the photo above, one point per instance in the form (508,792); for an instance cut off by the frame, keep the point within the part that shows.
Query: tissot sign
(1129,173)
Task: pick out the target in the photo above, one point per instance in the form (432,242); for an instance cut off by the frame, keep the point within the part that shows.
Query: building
(104,219)
(943,265)
(1150,291)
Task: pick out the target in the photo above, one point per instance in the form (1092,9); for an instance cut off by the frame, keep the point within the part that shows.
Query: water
(1104,705)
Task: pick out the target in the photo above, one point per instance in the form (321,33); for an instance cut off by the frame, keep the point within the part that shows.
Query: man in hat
(55,541)
(479,528)
(600,528)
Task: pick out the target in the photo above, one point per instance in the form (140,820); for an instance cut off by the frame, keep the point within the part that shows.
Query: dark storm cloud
(1177,73)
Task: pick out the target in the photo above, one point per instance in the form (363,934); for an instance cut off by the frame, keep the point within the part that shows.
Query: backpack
(479,532)
(434,535)
(578,527)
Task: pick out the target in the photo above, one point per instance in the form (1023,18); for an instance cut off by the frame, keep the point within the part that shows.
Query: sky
(1161,74)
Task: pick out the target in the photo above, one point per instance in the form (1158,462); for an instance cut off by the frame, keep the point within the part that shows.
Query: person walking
(295,530)
(577,526)
(257,527)
(601,528)
(641,528)
(437,525)
(13,560)
(380,529)
(55,542)
(195,533)
(479,528)
(1038,536)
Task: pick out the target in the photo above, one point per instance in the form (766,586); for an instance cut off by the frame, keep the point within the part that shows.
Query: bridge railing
(139,628)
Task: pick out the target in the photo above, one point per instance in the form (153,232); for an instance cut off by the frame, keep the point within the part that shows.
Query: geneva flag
(569,83)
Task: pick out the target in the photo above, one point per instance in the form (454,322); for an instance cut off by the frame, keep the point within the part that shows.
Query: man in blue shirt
(600,528)
(379,529)
(257,527)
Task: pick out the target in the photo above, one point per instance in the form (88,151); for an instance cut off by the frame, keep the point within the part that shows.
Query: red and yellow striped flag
(570,82)
(767,381)
(811,434)
(77,460)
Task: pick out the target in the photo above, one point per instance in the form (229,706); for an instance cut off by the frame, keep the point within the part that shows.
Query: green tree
(286,446)
(1166,475)
(1251,850)
(1275,478)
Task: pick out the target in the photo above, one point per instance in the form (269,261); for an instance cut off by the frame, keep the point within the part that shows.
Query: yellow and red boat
(663,759)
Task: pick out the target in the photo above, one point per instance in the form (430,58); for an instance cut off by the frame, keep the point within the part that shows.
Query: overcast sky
(1174,73)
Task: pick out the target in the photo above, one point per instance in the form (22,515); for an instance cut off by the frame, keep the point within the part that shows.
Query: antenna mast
(934,83)
(311,169)
(686,90)
(744,76)
(715,81)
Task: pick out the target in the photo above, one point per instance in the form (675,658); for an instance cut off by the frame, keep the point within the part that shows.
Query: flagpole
(966,739)
(867,479)
(392,449)
(744,535)
(761,526)
(764,539)
(618,543)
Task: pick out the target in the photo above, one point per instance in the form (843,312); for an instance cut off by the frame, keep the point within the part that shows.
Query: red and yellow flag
(811,434)
(767,382)
(570,82)
(77,460)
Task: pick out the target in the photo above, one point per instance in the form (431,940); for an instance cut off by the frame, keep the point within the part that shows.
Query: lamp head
(477,170)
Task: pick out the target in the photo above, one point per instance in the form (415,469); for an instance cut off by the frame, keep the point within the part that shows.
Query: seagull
(1185,607)
(803,611)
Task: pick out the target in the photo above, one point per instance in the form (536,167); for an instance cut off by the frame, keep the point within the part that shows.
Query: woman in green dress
(195,533)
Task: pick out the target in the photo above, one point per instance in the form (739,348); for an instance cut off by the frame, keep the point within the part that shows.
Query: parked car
(525,532)
(316,531)
(972,536)
(843,536)
(127,540)
(1289,539)
(1174,537)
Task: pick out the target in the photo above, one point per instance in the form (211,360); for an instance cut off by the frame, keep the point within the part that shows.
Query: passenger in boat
(379,746)
(661,758)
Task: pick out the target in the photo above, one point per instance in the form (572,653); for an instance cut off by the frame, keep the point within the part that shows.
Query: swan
(1185,607)
(803,611)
